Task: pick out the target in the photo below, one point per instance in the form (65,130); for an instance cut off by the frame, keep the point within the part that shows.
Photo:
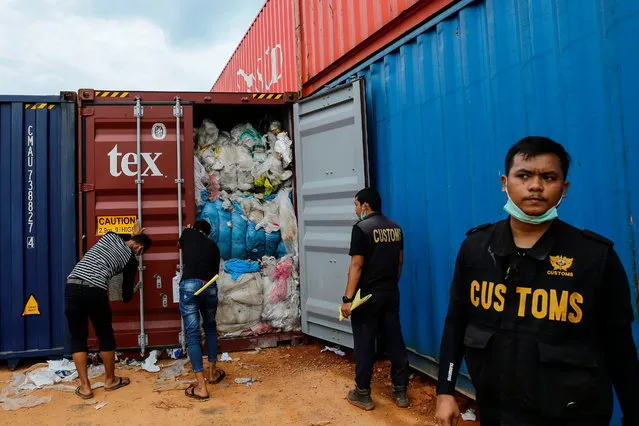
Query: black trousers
(379,316)
(84,302)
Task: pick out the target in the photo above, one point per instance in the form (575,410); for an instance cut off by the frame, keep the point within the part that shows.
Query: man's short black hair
(143,240)
(202,226)
(532,146)
(370,196)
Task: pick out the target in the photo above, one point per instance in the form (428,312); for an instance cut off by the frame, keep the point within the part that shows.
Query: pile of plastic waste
(243,188)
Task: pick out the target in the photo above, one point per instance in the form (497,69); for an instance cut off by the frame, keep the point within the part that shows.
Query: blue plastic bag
(255,242)
(238,232)
(211,215)
(273,240)
(237,267)
(224,239)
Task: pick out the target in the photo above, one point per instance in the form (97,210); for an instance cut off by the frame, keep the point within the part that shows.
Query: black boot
(361,398)
(400,396)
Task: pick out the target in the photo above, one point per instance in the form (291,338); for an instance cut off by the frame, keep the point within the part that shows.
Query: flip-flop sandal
(190,392)
(121,383)
(221,375)
(81,395)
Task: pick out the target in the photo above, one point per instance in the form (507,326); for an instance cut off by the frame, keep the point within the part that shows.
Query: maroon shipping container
(112,193)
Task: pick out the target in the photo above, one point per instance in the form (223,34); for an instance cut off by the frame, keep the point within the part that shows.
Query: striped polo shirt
(105,259)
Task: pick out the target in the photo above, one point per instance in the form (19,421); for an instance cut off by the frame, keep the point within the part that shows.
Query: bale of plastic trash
(240,303)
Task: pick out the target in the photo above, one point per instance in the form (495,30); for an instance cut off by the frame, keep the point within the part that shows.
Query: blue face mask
(512,209)
(363,216)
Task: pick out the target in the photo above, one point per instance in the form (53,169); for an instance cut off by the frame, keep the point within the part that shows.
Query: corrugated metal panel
(444,107)
(37,187)
(266,59)
(107,160)
(330,154)
(339,34)
(110,168)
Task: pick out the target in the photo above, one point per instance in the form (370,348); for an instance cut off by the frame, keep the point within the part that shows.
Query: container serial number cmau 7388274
(30,172)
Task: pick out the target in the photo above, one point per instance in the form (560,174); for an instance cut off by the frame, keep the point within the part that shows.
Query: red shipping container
(107,172)
(266,60)
(339,34)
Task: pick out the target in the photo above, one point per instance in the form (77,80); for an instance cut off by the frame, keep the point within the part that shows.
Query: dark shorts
(83,302)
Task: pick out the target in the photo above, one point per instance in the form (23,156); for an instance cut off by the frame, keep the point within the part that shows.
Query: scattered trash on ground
(13,404)
(174,353)
(63,388)
(164,385)
(100,405)
(226,357)
(176,369)
(96,371)
(335,350)
(129,364)
(257,351)
(149,363)
(246,380)
(469,415)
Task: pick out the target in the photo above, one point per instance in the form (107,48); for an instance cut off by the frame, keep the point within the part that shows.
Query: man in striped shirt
(86,298)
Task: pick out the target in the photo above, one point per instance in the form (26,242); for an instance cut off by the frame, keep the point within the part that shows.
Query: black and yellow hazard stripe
(110,94)
(267,95)
(39,106)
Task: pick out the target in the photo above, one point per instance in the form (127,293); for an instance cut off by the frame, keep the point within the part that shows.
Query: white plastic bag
(228,178)
(201,182)
(283,148)
(12,404)
(207,133)
(240,303)
(287,221)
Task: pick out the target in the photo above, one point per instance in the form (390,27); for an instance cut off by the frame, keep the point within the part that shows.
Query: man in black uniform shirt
(541,310)
(377,254)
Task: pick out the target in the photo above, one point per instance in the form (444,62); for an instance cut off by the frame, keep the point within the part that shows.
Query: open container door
(332,165)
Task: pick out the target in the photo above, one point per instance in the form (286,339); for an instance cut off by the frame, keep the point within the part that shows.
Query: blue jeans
(206,304)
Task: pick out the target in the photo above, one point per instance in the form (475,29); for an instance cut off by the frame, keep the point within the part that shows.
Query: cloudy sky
(47,46)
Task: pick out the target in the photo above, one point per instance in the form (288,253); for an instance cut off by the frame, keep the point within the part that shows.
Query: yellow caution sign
(31,308)
(117,224)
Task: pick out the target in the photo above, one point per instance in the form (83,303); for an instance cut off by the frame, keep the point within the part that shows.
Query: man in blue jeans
(201,263)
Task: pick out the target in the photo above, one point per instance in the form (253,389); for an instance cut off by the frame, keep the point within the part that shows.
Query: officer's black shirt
(380,241)
(543,330)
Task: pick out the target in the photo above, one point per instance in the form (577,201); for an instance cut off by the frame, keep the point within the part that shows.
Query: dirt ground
(297,385)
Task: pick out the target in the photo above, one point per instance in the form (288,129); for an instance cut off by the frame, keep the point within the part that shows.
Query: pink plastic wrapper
(282,273)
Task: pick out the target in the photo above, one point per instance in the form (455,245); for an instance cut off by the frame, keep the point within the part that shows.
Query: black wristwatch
(346,299)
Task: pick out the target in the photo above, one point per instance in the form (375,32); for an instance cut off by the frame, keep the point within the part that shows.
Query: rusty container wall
(339,34)
(266,60)
(108,173)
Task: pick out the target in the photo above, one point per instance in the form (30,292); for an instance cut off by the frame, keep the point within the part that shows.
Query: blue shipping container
(446,102)
(38,223)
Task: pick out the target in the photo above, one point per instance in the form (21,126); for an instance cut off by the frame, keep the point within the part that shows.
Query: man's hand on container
(447,412)
(136,228)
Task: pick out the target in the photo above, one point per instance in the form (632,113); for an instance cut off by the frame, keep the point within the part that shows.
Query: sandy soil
(298,386)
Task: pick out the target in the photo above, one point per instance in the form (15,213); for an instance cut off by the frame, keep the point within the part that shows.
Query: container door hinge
(87,112)
(143,340)
(87,187)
